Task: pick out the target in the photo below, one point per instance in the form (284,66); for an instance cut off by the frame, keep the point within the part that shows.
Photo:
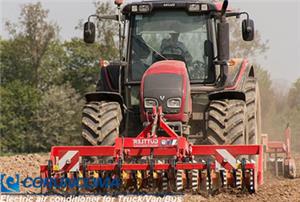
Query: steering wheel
(198,63)
(198,69)
(173,56)
(178,55)
(170,47)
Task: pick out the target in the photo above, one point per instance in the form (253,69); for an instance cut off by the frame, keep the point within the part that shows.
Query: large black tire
(253,111)
(101,122)
(226,122)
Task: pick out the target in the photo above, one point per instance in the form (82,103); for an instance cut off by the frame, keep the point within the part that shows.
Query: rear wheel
(100,123)
(253,116)
(253,111)
(226,122)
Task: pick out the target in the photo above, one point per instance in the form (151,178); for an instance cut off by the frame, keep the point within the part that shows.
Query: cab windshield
(164,35)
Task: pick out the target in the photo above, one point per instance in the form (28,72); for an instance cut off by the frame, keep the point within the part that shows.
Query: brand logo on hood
(162,97)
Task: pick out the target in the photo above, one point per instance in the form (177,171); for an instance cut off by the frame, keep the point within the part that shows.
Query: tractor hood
(166,83)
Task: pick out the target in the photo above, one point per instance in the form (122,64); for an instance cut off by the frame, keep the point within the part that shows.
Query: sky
(278,21)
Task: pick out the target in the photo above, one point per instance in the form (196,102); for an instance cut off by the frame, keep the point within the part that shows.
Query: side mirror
(248,29)
(89,32)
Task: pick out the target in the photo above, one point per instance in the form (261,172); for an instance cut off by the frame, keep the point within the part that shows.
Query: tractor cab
(178,30)
(169,34)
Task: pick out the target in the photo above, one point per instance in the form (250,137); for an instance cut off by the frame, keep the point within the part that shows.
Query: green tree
(19,102)
(33,64)
(34,34)
(240,48)
(82,65)
(107,31)
(293,113)
(53,66)
(268,103)
(58,117)
(294,95)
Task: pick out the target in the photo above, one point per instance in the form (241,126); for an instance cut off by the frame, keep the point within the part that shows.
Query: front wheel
(101,122)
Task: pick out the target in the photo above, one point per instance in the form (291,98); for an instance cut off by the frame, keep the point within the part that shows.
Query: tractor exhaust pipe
(223,35)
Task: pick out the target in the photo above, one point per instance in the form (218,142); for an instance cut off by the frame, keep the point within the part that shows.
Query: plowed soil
(274,189)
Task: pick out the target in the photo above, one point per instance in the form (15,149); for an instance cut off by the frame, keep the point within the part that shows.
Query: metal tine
(139,180)
(252,181)
(223,174)
(179,180)
(238,181)
(195,178)
(165,182)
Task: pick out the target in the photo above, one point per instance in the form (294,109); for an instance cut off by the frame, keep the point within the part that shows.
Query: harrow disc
(180,180)
(251,188)
(126,180)
(223,175)
(139,179)
(195,180)
(248,181)
(238,178)
(205,184)
(165,182)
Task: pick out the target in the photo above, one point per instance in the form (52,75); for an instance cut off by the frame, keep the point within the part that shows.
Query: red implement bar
(68,158)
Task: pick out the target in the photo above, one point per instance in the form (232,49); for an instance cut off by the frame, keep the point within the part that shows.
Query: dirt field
(274,189)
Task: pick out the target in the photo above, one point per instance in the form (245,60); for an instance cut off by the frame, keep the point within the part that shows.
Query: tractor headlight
(134,8)
(150,102)
(143,8)
(174,102)
(194,8)
(197,7)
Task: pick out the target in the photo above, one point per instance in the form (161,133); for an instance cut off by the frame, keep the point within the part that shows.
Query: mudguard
(105,96)
(227,94)
(109,78)
(238,71)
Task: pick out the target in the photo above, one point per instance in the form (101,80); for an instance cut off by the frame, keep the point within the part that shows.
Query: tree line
(44,79)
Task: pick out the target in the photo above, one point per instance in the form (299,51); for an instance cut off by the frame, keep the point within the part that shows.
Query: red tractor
(176,109)
(176,57)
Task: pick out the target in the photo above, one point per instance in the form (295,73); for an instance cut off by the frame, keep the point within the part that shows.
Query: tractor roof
(169,4)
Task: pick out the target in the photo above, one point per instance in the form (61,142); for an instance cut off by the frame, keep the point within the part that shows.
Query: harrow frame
(181,154)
